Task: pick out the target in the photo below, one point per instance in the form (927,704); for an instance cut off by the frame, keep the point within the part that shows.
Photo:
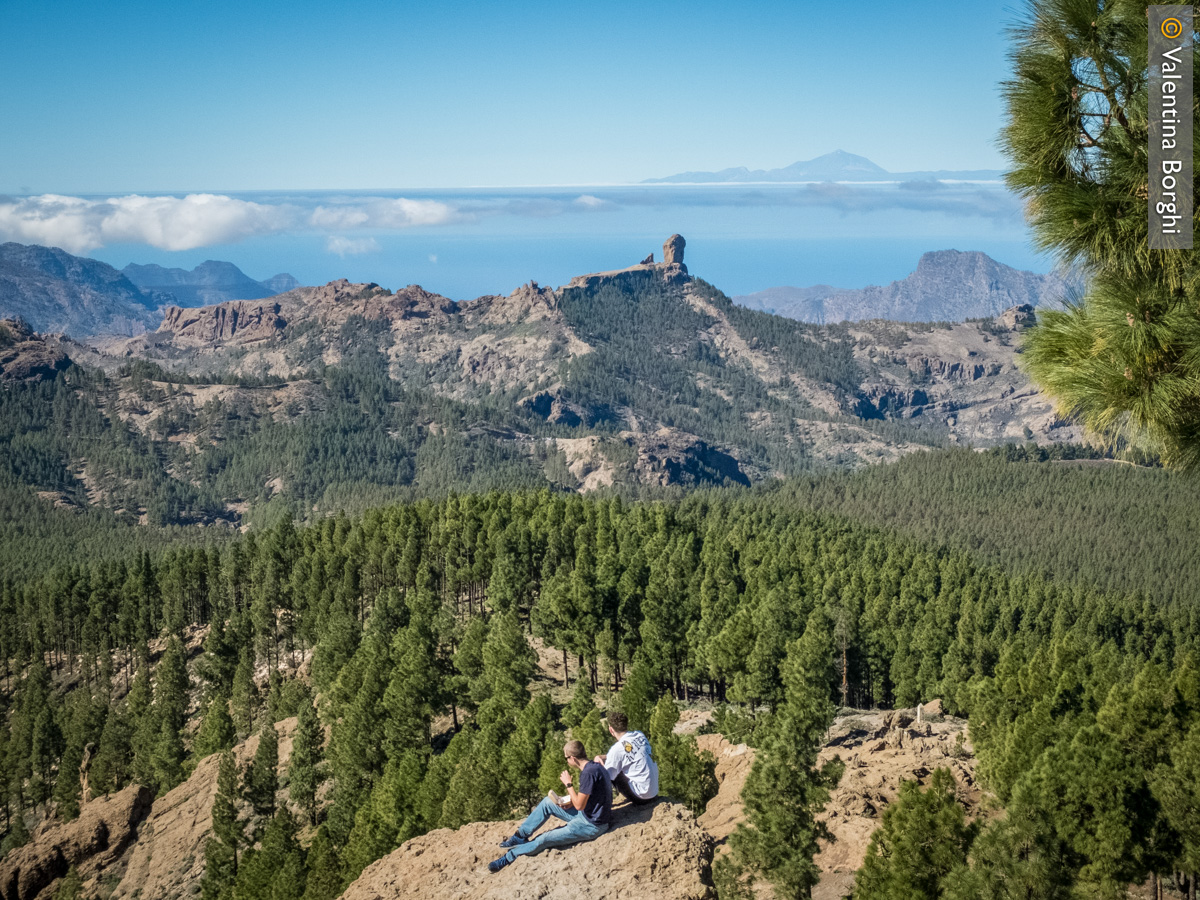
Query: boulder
(650,851)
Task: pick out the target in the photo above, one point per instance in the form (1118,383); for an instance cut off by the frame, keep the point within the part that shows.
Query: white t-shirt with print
(631,754)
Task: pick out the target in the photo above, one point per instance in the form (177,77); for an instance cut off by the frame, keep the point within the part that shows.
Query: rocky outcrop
(238,321)
(1017,318)
(93,842)
(25,355)
(556,410)
(673,250)
(878,401)
(673,457)
(654,851)
(951,369)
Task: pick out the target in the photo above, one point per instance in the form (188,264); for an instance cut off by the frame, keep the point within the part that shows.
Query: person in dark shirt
(587,812)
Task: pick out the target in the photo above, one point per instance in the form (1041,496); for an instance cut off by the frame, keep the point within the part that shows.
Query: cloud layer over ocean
(173,223)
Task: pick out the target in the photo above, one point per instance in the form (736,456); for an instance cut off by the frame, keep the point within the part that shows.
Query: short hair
(574,749)
(619,722)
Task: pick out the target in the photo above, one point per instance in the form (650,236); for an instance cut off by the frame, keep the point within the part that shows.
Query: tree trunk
(566,680)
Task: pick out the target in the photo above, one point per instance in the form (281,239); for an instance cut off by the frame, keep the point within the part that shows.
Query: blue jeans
(577,829)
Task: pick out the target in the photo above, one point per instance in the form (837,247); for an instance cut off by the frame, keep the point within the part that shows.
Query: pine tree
(522,756)
(922,837)
(475,791)
(221,850)
(1014,858)
(596,740)
(307,753)
(785,791)
(216,731)
(411,692)
(171,686)
(637,696)
(244,700)
(508,665)
(70,887)
(581,704)
(219,871)
(276,868)
(684,773)
(114,754)
(167,758)
(325,879)
(1122,358)
(552,763)
(262,779)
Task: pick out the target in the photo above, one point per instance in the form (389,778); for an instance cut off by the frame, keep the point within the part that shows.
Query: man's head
(618,723)
(575,754)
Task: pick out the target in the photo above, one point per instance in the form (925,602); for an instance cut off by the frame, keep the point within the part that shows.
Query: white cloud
(344,246)
(171,223)
(433,258)
(383,213)
(590,202)
(78,225)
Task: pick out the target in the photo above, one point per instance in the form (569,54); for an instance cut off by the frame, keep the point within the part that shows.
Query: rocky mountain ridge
(946,286)
(637,379)
(56,292)
(213,281)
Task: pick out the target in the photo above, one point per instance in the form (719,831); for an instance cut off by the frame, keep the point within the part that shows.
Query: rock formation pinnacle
(673,249)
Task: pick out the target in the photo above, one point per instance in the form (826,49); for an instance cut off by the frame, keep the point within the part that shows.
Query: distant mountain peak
(947,285)
(213,281)
(839,165)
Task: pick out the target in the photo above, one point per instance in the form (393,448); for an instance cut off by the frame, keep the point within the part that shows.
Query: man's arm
(578,800)
(616,756)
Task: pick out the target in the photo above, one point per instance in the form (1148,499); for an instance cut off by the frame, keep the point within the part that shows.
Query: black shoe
(513,841)
(497,864)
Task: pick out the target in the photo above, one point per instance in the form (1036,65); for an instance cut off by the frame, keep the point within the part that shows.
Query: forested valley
(407,634)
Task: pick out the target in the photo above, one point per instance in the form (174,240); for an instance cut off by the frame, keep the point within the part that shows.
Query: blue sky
(110,98)
(356,139)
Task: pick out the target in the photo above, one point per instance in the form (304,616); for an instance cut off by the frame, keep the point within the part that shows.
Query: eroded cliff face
(26,355)
(235,322)
(140,846)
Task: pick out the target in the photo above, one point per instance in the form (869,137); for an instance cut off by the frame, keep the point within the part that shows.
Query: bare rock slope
(656,851)
(95,841)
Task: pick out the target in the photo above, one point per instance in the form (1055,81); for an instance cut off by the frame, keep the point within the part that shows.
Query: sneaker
(497,864)
(513,841)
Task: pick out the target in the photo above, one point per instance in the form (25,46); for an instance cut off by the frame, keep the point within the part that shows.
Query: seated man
(588,811)
(630,762)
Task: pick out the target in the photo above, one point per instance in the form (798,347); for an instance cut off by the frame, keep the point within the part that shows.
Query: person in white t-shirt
(630,762)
